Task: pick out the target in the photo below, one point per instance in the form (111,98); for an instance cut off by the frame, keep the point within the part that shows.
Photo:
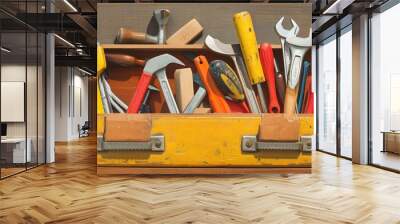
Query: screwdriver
(248,44)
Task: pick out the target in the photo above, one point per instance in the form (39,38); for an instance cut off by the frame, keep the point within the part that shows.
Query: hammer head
(285,33)
(219,47)
(160,62)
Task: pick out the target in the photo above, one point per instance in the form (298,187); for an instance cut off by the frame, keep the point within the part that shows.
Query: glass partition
(22,88)
(385,90)
(326,94)
(346,92)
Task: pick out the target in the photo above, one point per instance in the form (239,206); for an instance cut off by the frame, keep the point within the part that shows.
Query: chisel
(124,60)
(248,44)
(216,98)
(267,62)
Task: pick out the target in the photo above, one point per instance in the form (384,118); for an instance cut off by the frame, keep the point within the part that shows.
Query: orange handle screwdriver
(216,98)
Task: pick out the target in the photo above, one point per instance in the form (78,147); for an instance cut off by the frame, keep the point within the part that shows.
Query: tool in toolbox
(162,16)
(124,60)
(248,44)
(226,80)
(303,79)
(198,96)
(298,47)
(309,109)
(280,85)
(145,107)
(126,36)
(216,98)
(187,33)
(157,66)
(307,90)
(234,51)
(101,69)
(284,34)
(267,62)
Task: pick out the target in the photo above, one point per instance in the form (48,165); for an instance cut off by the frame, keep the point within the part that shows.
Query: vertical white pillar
(360,90)
(50,93)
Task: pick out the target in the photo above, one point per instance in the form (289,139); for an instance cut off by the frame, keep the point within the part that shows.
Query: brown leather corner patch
(127,127)
(278,127)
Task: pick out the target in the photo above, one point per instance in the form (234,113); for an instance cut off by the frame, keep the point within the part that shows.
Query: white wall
(71,94)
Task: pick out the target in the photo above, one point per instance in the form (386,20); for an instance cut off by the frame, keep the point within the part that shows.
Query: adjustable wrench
(234,51)
(284,34)
(298,47)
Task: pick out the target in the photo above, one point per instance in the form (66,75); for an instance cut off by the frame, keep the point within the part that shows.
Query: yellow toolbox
(198,143)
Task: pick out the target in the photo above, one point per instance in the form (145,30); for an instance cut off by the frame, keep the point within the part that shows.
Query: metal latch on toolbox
(251,144)
(155,144)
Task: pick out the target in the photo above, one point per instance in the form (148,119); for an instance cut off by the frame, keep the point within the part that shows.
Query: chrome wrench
(298,47)
(284,34)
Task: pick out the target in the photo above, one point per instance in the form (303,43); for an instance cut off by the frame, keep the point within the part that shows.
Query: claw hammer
(157,66)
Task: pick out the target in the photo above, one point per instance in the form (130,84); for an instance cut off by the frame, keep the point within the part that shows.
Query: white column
(50,93)
(360,90)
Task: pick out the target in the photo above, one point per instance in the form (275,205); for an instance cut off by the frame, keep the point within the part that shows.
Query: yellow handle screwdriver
(248,45)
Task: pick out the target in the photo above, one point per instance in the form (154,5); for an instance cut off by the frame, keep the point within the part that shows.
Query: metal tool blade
(166,89)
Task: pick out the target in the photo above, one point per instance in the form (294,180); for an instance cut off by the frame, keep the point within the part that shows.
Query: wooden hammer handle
(126,36)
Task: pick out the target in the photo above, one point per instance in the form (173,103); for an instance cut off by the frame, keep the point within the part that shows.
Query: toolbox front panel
(208,141)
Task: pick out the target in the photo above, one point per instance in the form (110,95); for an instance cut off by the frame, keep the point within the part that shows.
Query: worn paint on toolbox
(208,141)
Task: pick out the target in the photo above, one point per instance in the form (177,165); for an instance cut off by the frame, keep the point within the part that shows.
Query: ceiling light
(5,50)
(65,41)
(84,71)
(70,5)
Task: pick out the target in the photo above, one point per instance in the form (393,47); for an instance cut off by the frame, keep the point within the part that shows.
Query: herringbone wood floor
(70,192)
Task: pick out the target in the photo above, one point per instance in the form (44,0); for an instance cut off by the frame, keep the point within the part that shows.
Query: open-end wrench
(298,47)
(284,34)
(157,66)
(234,51)
(198,96)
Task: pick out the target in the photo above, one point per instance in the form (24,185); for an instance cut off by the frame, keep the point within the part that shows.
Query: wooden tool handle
(290,101)
(280,88)
(267,62)
(124,60)
(126,36)
(216,98)
(248,44)
(140,92)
